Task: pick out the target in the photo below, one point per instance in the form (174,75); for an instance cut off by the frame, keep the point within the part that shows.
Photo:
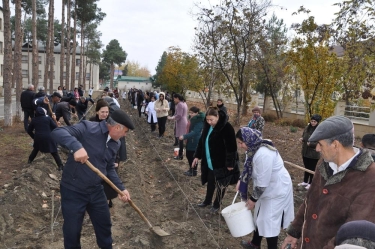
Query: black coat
(43,126)
(27,97)
(223,149)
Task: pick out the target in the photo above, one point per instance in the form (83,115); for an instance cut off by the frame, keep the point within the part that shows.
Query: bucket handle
(235,197)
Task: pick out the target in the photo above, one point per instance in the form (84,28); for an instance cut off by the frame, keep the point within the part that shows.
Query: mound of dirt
(30,213)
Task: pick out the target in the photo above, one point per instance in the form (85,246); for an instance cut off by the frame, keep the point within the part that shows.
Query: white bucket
(238,218)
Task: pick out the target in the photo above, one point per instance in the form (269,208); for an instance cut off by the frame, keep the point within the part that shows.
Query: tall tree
(35,58)
(135,69)
(159,70)
(48,46)
(316,66)
(17,70)
(271,64)
(228,32)
(7,78)
(68,47)
(114,54)
(74,49)
(51,57)
(62,42)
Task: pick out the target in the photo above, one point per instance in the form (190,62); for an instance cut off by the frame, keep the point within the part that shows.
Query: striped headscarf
(253,140)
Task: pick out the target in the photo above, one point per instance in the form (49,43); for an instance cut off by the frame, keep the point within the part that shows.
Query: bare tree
(74,48)
(47,46)
(7,65)
(51,57)
(17,70)
(68,49)
(62,43)
(35,63)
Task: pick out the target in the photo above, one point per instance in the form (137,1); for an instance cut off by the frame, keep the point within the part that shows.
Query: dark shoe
(175,144)
(248,245)
(202,205)
(29,162)
(110,204)
(60,167)
(214,210)
(178,158)
(191,173)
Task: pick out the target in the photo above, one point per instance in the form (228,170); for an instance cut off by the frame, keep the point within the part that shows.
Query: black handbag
(226,177)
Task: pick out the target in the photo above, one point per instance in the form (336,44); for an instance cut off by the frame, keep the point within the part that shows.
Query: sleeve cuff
(293,232)
(253,199)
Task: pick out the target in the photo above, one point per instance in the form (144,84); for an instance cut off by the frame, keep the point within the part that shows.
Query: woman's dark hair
(101,103)
(212,111)
(239,135)
(179,96)
(194,109)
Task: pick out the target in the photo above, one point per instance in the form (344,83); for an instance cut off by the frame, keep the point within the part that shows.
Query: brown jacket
(333,200)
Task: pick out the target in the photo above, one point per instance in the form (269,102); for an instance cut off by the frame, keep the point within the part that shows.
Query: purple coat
(180,117)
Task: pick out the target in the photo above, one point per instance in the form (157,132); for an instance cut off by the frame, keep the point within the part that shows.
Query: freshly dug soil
(30,214)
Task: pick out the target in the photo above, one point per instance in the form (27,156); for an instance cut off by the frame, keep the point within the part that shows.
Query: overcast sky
(146,28)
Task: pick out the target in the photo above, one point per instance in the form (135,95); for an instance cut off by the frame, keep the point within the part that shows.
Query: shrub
(284,122)
(269,117)
(293,129)
(299,123)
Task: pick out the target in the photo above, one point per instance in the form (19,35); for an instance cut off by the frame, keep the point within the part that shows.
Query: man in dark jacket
(81,107)
(51,100)
(80,91)
(64,109)
(81,188)
(27,97)
(220,105)
(40,93)
(342,189)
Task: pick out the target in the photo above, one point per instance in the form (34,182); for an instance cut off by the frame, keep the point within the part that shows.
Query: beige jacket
(161,110)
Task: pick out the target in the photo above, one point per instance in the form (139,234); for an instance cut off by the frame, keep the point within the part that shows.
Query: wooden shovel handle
(110,183)
(299,167)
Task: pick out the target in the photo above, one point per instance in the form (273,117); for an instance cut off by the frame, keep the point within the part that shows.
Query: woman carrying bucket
(272,195)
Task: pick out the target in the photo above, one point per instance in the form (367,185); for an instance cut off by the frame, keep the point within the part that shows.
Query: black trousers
(26,115)
(211,186)
(190,158)
(161,123)
(271,242)
(311,165)
(55,156)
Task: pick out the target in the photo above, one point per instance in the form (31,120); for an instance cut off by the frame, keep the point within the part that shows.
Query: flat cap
(56,94)
(122,118)
(331,127)
(356,229)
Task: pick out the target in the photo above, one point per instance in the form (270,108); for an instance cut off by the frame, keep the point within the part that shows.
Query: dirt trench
(156,184)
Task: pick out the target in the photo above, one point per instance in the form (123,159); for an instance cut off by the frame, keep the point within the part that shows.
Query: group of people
(338,207)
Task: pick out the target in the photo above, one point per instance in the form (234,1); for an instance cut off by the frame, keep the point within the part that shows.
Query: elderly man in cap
(81,188)
(342,189)
(51,100)
(356,234)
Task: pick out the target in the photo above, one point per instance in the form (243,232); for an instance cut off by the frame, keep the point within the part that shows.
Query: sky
(146,28)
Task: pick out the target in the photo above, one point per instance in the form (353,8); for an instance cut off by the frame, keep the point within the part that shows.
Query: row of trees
(240,49)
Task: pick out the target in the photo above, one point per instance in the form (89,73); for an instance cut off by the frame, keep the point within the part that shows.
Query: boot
(60,167)
(175,141)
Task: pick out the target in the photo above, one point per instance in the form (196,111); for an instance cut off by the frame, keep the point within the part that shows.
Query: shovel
(155,229)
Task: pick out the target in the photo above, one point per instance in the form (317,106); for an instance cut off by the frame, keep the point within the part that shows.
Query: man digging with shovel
(81,188)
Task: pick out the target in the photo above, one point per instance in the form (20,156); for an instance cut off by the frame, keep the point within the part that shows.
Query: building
(128,82)
(92,71)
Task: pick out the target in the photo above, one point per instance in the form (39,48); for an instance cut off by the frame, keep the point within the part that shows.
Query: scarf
(253,140)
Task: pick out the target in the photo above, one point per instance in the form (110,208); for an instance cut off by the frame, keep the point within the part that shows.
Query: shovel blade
(159,231)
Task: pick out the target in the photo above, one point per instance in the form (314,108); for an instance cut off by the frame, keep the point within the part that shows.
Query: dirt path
(156,184)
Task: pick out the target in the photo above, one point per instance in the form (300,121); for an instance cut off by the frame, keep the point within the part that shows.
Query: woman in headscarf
(309,155)
(272,195)
(43,126)
(257,121)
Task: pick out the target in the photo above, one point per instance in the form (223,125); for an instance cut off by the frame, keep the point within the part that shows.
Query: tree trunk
(80,79)
(7,65)
(47,47)
(90,81)
(35,58)
(111,76)
(68,49)
(62,43)
(73,72)
(52,48)
(17,70)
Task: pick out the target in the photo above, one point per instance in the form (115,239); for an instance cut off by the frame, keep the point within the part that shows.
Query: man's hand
(125,197)
(81,156)
(45,100)
(289,240)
